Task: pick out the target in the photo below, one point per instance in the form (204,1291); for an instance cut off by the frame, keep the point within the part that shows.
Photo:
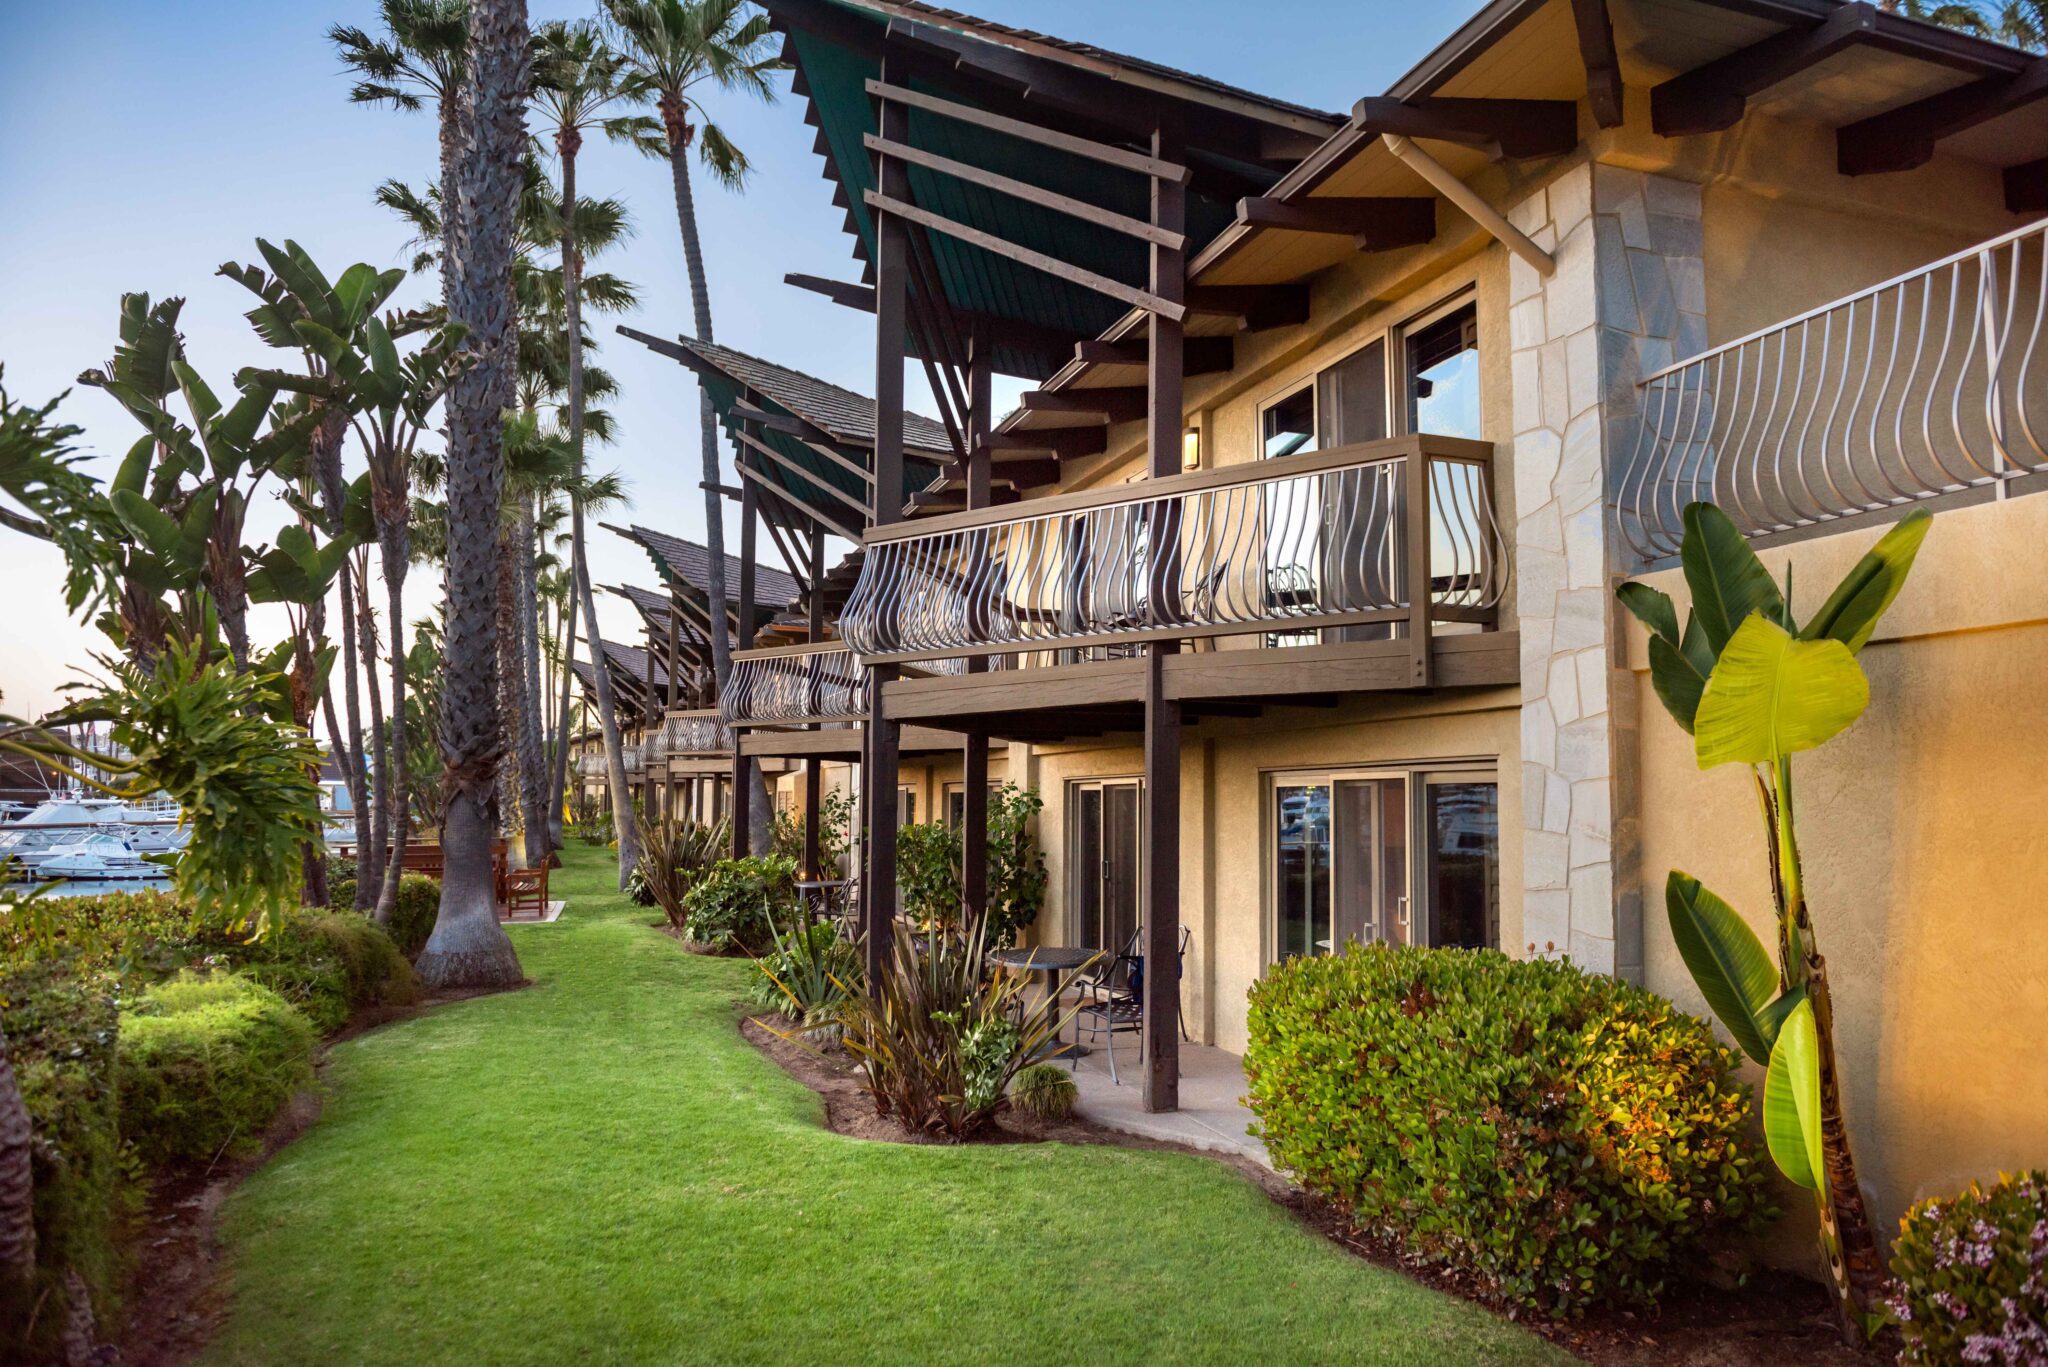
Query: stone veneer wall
(1628,297)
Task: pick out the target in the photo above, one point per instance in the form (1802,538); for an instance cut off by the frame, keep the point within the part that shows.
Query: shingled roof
(846,415)
(654,608)
(691,563)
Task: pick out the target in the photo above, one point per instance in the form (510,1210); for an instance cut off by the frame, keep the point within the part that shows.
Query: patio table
(1051,960)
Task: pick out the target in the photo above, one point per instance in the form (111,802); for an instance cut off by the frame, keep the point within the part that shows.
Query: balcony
(1351,544)
(794,685)
(1925,388)
(689,734)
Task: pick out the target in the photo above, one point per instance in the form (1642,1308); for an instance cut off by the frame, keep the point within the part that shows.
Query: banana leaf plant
(1753,686)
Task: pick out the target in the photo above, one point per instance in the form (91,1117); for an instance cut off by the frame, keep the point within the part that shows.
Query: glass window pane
(1443,376)
(1290,425)
(1353,397)
(1120,847)
(1086,878)
(1464,863)
(1302,872)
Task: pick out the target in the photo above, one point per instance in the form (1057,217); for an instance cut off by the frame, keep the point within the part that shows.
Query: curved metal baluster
(2026,368)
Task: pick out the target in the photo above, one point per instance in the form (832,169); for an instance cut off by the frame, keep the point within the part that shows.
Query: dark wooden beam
(847,292)
(1017,189)
(1029,132)
(899,206)
(2026,187)
(1903,138)
(1256,307)
(1378,223)
(1516,129)
(1123,403)
(1603,68)
(1046,345)
(1202,355)
(1710,98)
(955,500)
(1027,474)
(1065,442)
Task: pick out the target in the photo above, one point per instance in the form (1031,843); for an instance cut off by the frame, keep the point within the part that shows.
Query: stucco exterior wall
(1920,839)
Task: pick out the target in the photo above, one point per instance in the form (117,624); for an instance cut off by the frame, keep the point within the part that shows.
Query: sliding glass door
(1403,856)
(1105,841)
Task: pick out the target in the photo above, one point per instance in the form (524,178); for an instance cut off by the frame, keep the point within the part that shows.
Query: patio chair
(1113,1001)
(526,890)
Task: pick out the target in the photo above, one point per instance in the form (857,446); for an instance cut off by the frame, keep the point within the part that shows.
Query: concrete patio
(1212,1115)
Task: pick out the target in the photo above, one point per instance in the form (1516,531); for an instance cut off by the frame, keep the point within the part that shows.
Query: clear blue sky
(146,143)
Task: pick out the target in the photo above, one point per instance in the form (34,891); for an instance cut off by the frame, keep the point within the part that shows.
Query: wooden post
(742,766)
(1164,375)
(878,781)
(1416,528)
(974,757)
(675,653)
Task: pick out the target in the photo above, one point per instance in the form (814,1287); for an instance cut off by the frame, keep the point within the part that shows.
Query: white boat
(98,856)
(53,824)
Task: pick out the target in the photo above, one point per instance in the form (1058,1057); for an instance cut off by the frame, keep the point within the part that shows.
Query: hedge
(206,1062)
(412,920)
(1971,1275)
(60,1038)
(1560,1137)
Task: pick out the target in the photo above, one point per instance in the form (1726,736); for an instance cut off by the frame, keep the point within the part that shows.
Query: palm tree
(676,47)
(580,77)
(418,58)
(468,947)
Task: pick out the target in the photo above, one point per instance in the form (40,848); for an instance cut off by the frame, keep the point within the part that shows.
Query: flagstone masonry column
(1627,297)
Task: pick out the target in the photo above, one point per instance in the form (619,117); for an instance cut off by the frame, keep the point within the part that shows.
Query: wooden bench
(526,894)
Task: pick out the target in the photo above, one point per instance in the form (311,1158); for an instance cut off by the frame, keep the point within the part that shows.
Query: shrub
(340,867)
(1558,1135)
(412,920)
(736,904)
(938,1037)
(1016,865)
(61,1031)
(206,1063)
(672,858)
(327,966)
(1972,1275)
(808,973)
(928,873)
(1045,1090)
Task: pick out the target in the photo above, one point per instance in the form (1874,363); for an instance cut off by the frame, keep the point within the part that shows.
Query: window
(1340,865)
(956,803)
(906,806)
(1442,373)
(1289,425)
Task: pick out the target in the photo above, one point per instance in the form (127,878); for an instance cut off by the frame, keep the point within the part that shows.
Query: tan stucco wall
(1921,841)
(1224,863)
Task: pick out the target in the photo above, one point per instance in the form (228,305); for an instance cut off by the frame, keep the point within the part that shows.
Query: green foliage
(939,1037)
(809,972)
(1016,864)
(928,873)
(1562,1137)
(327,966)
(672,859)
(1045,1090)
(39,470)
(737,903)
(412,920)
(1971,1275)
(206,1063)
(61,1029)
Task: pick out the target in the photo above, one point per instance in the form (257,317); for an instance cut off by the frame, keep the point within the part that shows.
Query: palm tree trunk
(468,947)
(558,777)
(394,548)
(532,702)
(385,741)
(350,746)
(511,694)
(586,600)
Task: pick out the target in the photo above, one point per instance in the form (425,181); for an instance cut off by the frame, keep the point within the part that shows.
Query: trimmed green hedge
(206,1062)
(1562,1137)
(412,921)
(60,1038)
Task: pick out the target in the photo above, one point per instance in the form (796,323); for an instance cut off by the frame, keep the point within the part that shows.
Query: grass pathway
(599,1169)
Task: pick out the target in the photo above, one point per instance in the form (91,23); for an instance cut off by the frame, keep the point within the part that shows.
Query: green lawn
(599,1168)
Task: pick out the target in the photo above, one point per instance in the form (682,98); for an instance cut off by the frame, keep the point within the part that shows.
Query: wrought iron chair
(1113,1000)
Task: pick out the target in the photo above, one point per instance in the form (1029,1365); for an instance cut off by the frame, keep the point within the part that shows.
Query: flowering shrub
(1972,1275)
(1558,1135)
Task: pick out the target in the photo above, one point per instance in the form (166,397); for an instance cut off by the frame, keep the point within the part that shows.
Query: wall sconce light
(1191,448)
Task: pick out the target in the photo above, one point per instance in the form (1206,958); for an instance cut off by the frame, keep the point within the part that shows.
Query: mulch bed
(1771,1319)
(178,1298)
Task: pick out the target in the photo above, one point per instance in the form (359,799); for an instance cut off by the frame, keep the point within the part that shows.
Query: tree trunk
(395,550)
(468,947)
(17,1180)
(532,701)
(558,776)
(384,741)
(511,695)
(678,131)
(351,750)
(586,600)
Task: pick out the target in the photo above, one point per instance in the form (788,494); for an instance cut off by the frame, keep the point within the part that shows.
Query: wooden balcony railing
(1347,537)
(1932,385)
(697,732)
